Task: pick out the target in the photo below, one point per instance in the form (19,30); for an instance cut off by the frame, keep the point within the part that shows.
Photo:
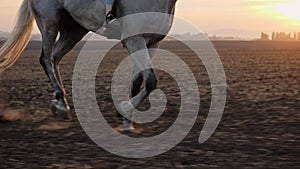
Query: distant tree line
(281,36)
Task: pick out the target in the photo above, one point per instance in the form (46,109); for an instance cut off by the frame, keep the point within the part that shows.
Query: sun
(289,9)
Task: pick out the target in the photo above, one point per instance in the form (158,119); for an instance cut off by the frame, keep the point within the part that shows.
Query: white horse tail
(16,44)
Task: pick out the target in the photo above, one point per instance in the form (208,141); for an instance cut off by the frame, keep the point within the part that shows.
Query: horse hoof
(64,113)
(123,129)
(134,130)
(129,128)
(61,111)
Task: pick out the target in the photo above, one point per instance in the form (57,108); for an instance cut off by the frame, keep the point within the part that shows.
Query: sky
(243,18)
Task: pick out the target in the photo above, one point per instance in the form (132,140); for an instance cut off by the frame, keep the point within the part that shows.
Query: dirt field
(259,129)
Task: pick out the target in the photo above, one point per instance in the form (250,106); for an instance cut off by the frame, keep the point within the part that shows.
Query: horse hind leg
(69,36)
(49,24)
(49,29)
(46,60)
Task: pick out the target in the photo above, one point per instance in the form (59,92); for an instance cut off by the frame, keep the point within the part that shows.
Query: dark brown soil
(259,129)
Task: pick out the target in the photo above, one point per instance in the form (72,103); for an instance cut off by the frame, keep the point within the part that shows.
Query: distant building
(264,37)
(283,36)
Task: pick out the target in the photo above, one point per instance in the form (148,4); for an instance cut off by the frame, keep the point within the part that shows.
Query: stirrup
(110,17)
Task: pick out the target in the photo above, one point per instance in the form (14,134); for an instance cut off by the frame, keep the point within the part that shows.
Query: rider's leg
(109,4)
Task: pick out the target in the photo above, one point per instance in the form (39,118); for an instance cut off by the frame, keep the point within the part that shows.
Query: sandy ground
(259,129)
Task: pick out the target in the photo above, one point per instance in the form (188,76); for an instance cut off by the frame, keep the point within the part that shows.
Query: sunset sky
(244,18)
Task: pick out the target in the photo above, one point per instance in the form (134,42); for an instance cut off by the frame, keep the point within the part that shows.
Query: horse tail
(20,36)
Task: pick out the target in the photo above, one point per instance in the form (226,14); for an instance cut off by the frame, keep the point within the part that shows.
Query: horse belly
(88,13)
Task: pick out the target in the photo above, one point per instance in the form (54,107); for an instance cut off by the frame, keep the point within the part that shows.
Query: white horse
(72,20)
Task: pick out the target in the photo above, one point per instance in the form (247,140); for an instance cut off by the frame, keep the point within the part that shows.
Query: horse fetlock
(59,95)
(126,109)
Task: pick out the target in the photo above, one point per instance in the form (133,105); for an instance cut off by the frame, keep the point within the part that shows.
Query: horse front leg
(143,72)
